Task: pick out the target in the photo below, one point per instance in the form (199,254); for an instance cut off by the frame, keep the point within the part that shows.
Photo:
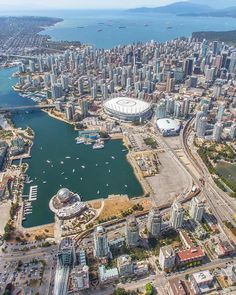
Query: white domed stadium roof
(64,195)
(127,106)
(169,126)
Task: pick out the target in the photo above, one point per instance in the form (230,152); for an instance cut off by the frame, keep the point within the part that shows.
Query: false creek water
(54,141)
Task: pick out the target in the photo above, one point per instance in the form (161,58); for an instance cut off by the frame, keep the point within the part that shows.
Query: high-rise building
(193,82)
(186,106)
(132,232)
(220,112)
(84,105)
(177,215)
(104,92)
(167,258)
(215,47)
(161,110)
(201,128)
(66,259)
(154,222)
(217,91)
(66,252)
(217,131)
(210,74)
(56,90)
(188,67)
(199,115)
(101,248)
(69,111)
(197,209)
(177,109)
(81,86)
(170,84)
(64,82)
(94,91)
(232,133)
(31,66)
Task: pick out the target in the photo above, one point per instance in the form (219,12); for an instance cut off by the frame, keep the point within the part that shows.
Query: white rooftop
(127,105)
(168,124)
(203,276)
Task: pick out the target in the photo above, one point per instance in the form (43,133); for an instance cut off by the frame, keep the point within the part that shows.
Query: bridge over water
(28,108)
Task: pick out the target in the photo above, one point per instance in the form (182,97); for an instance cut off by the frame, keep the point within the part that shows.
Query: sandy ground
(114,205)
(5,215)
(170,182)
(46,231)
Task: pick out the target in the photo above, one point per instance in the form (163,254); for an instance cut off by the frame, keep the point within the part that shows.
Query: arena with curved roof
(169,127)
(127,108)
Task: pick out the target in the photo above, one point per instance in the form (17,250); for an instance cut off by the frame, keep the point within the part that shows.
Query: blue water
(54,141)
(111,35)
(135,29)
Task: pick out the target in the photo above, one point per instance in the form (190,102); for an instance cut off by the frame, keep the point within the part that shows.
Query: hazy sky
(94,4)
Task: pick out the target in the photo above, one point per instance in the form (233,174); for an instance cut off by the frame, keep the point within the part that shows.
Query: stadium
(169,127)
(127,108)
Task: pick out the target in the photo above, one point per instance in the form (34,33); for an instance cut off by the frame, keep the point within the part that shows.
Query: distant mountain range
(188,9)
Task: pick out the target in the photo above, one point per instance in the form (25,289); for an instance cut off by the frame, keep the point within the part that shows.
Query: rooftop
(190,254)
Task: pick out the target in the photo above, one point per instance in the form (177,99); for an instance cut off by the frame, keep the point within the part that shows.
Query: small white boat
(62,162)
(107,184)
(79,141)
(43,172)
(41,148)
(62,173)
(113,157)
(68,157)
(126,185)
(66,178)
(73,170)
(109,171)
(98,192)
(81,178)
(44,181)
(107,163)
(48,161)
(96,165)
(77,158)
(52,166)
(82,166)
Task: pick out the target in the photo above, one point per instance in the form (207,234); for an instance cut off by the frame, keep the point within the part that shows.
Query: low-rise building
(223,248)
(188,256)
(230,274)
(141,268)
(185,239)
(125,265)
(202,282)
(176,287)
(79,278)
(107,275)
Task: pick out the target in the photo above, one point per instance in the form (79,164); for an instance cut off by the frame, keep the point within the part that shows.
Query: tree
(120,291)
(149,289)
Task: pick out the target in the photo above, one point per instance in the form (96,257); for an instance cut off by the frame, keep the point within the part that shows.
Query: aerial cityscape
(118,148)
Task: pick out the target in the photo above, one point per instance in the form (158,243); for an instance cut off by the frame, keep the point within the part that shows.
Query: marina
(54,141)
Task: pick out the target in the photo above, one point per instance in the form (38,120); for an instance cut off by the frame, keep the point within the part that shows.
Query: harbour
(57,161)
